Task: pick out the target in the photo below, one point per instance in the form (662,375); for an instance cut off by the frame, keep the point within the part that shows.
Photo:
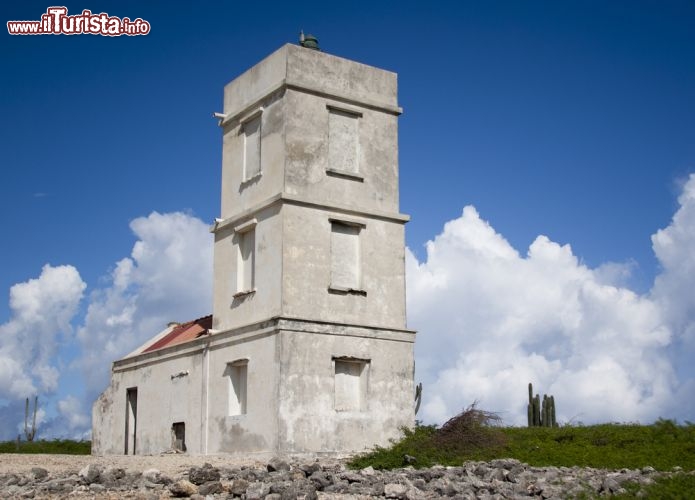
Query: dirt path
(168,464)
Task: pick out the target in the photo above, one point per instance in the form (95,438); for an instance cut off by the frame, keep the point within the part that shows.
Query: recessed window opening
(252,147)
(343,144)
(345,256)
(237,375)
(246,260)
(351,378)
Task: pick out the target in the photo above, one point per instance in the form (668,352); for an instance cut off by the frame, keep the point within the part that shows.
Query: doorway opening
(131,418)
(178,436)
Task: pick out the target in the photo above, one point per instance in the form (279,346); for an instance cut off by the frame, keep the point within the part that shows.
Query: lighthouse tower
(307,349)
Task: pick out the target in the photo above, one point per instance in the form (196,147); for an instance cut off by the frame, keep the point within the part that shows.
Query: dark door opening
(178,436)
(131,417)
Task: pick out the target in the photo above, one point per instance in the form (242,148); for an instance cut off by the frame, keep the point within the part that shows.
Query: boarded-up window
(247,260)
(252,147)
(350,384)
(345,256)
(342,141)
(236,374)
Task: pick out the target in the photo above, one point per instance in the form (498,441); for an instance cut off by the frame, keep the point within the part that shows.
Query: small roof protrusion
(308,41)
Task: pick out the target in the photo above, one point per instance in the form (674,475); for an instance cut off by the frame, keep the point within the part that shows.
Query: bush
(474,434)
(676,487)
(471,431)
(477,435)
(57,446)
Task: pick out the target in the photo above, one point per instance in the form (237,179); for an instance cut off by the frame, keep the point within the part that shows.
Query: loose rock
(90,474)
(204,474)
(183,488)
(284,480)
(277,464)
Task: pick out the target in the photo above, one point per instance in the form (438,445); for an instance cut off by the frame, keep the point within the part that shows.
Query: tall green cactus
(529,406)
(418,397)
(540,415)
(30,432)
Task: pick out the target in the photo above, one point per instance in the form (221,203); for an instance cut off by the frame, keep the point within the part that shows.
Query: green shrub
(676,487)
(662,445)
(473,433)
(57,446)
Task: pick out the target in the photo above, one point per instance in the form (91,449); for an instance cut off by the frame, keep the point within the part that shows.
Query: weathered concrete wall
(298,89)
(238,194)
(256,430)
(161,401)
(318,71)
(343,77)
(308,419)
(307,270)
(257,82)
(105,435)
(265,302)
(290,391)
(308,170)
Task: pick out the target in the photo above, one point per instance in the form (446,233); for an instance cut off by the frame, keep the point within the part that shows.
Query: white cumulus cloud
(168,277)
(491,320)
(75,421)
(41,311)
(674,246)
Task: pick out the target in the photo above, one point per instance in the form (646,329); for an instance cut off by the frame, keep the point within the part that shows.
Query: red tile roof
(184,332)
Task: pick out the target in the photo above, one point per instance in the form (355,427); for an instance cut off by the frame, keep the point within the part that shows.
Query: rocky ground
(216,477)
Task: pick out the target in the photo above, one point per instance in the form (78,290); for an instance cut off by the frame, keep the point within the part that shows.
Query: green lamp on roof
(308,41)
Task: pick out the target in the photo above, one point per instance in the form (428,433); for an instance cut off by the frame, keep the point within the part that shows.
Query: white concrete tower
(307,350)
(312,246)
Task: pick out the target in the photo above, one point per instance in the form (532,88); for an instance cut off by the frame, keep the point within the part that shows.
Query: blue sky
(572,120)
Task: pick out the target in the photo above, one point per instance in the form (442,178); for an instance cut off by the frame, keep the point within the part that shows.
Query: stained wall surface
(309,350)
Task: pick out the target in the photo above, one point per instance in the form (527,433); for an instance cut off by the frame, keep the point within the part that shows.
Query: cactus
(30,433)
(540,414)
(529,406)
(418,397)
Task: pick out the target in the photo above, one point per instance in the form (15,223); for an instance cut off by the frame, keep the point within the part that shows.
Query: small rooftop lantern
(308,41)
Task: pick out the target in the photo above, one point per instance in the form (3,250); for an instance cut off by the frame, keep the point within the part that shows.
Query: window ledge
(244,293)
(251,180)
(345,109)
(344,174)
(346,291)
